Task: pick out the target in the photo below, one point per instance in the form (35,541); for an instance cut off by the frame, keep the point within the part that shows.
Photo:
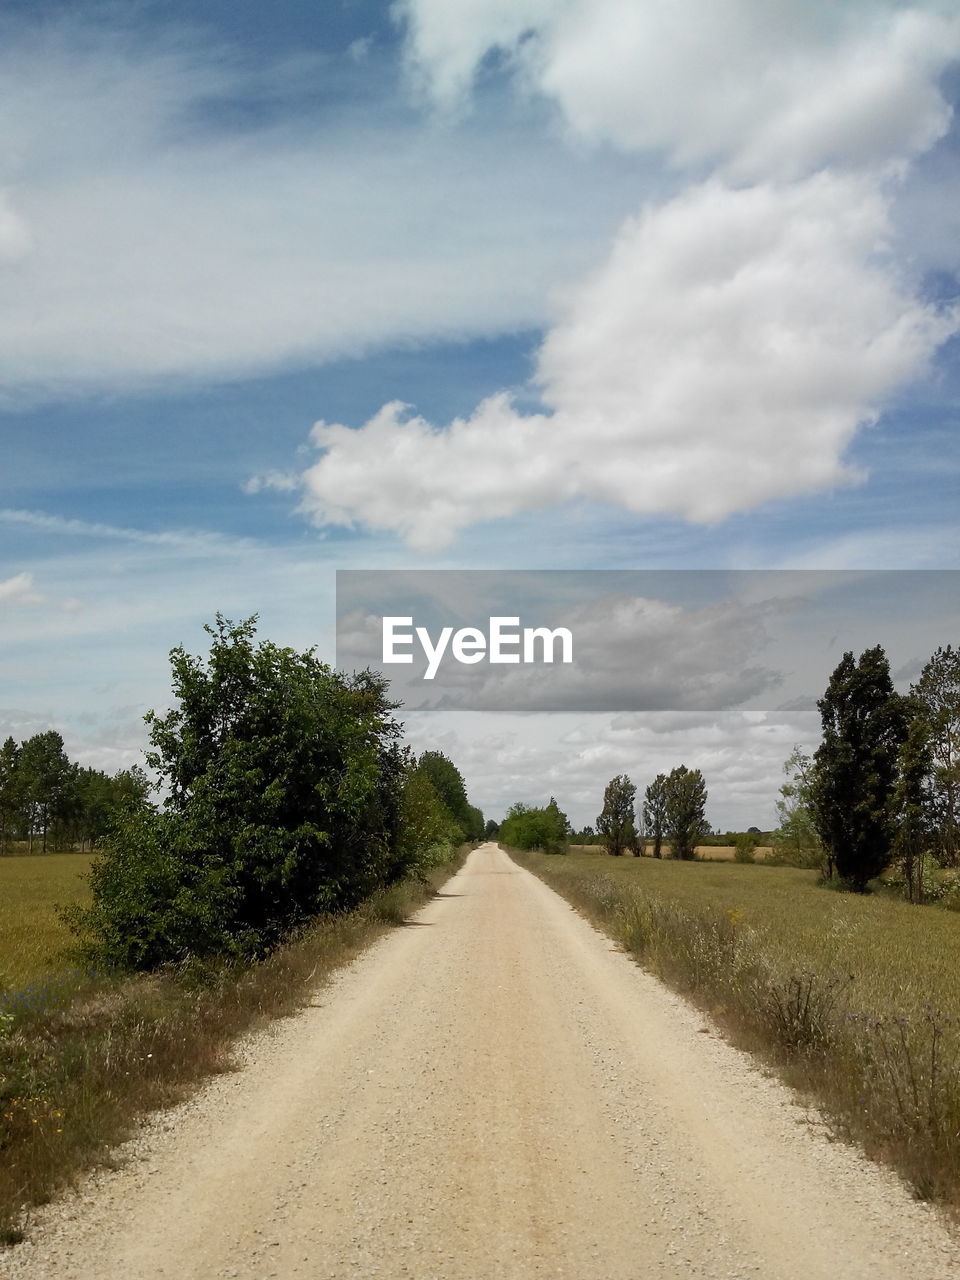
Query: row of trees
(673,809)
(48,800)
(288,794)
(884,784)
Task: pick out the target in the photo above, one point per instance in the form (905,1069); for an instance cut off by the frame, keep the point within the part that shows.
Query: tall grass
(854,999)
(83,1054)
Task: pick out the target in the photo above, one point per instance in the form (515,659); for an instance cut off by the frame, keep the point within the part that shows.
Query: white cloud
(19,590)
(724,355)
(150,239)
(766,87)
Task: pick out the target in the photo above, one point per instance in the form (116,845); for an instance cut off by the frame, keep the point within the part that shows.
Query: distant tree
(686,822)
(528,828)
(11,795)
(655,812)
(864,725)
(474,825)
(425,824)
(797,839)
(745,846)
(46,779)
(491,829)
(450,787)
(910,806)
(938,692)
(616,821)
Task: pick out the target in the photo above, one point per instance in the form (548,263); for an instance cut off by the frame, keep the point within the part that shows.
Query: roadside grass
(33,938)
(84,1055)
(854,999)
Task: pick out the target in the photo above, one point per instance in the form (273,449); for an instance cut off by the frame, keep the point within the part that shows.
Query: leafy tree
(528,828)
(938,693)
(655,812)
(616,821)
(864,724)
(686,802)
(425,825)
(11,800)
(909,804)
(45,776)
(797,839)
(491,829)
(285,784)
(450,787)
(474,825)
(745,846)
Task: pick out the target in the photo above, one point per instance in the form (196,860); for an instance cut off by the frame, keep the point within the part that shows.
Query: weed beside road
(855,999)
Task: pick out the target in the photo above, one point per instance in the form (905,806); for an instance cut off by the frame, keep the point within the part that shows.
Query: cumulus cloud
(765,89)
(723,356)
(739,333)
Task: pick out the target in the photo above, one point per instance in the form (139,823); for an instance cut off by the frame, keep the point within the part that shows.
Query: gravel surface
(493,1091)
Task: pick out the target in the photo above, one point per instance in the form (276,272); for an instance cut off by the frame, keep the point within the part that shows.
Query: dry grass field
(705,853)
(32,936)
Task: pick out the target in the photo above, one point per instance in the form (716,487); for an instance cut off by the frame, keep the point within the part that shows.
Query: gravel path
(490,1092)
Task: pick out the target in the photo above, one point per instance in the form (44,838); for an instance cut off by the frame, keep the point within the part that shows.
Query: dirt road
(491,1091)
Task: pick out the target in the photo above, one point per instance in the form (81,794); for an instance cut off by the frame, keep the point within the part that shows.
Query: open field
(32,936)
(900,957)
(855,998)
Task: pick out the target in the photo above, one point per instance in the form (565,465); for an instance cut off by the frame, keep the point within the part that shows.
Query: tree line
(287,794)
(883,786)
(673,809)
(881,789)
(50,802)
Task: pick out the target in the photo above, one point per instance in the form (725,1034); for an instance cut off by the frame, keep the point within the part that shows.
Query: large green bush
(284,783)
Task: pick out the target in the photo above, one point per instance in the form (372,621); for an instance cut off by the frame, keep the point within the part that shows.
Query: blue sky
(648,286)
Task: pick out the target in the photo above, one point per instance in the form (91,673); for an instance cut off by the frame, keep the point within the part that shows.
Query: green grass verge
(83,1055)
(853,998)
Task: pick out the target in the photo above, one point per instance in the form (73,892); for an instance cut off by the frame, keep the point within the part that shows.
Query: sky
(466,284)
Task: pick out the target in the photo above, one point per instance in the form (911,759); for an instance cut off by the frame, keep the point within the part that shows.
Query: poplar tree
(855,766)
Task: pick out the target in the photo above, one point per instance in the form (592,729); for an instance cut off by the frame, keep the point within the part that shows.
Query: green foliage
(796,841)
(864,724)
(546,829)
(449,784)
(937,694)
(427,831)
(745,847)
(655,812)
(685,810)
(909,806)
(285,784)
(491,829)
(616,821)
(44,794)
